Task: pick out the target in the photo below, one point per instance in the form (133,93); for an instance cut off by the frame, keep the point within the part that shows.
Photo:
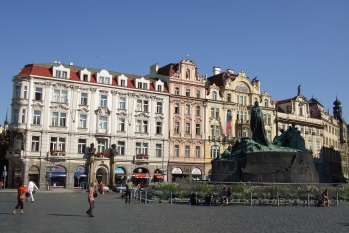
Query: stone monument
(258,160)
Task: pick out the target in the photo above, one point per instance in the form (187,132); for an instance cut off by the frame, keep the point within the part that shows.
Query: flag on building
(229,121)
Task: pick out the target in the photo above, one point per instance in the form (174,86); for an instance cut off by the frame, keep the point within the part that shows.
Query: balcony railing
(15,152)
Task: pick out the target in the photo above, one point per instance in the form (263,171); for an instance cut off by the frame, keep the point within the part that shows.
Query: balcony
(58,155)
(214,138)
(229,139)
(243,122)
(141,158)
(15,152)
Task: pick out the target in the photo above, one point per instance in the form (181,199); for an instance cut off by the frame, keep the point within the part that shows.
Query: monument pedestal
(278,167)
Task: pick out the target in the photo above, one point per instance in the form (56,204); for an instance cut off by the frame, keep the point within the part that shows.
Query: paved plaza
(65,212)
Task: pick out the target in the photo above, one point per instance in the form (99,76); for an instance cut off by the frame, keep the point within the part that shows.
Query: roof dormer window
(122,80)
(142,83)
(159,85)
(61,72)
(104,77)
(85,75)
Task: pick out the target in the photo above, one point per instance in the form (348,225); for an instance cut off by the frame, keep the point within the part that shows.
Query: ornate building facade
(65,119)
(230,98)
(187,117)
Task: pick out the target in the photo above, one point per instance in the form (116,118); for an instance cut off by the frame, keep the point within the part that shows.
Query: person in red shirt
(101,187)
(20,197)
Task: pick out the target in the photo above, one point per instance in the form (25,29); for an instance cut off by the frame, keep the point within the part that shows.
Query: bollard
(308,200)
(337,200)
(251,198)
(146,197)
(277,199)
(171,197)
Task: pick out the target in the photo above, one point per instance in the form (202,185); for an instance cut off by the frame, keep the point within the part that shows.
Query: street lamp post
(5,174)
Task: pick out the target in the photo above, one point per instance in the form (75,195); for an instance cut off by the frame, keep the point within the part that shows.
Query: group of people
(24,193)
(225,197)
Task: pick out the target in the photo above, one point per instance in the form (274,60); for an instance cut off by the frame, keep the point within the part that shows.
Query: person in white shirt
(31,186)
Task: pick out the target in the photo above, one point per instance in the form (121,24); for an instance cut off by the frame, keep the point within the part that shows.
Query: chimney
(154,68)
(71,63)
(230,71)
(216,70)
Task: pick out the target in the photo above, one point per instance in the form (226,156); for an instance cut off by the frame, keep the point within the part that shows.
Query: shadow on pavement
(7,213)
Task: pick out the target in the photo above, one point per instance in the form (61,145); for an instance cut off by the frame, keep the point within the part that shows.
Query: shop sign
(196,171)
(80,169)
(177,170)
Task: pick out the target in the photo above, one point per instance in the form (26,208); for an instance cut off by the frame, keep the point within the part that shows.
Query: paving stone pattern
(65,212)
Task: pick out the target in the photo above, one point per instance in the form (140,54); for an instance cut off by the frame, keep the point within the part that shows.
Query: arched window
(214,95)
(214,151)
(301,111)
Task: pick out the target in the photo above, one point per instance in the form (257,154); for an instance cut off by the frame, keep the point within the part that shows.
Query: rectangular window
(159,88)
(176,150)
(318,146)
(217,112)
(122,103)
(83,99)
(18,92)
(158,152)
(38,93)
(229,97)
(237,99)
(269,119)
(141,126)
(53,143)
(145,148)
(198,111)
(197,151)
(62,119)
(83,121)
(64,74)
(123,83)
(25,92)
(15,115)
(101,79)
(158,127)
(212,112)
(197,129)
(145,85)
(121,124)
(245,101)
(121,148)
(317,132)
(187,128)
(64,97)
(54,119)
(212,130)
(37,117)
(56,94)
(217,131)
(142,105)
(197,94)
(85,77)
(81,146)
(187,109)
(101,145)
(107,80)
(176,91)
(310,131)
(158,107)
(102,124)
(176,110)
(23,116)
(140,85)
(176,128)
(35,143)
(187,151)
(59,96)
(58,73)
(241,99)
(61,144)
(103,102)
(187,92)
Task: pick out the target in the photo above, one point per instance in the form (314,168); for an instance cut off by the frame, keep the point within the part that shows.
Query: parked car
(119,187)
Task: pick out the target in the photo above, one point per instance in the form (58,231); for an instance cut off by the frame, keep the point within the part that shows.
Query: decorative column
(91,153)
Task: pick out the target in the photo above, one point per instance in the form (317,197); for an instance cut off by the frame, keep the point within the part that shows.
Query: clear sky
(283,43)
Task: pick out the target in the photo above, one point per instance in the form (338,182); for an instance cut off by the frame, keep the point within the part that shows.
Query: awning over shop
(56,174)
(141,175)
(158,176)
(120,174)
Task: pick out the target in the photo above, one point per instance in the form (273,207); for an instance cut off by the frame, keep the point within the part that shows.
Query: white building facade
(58,111)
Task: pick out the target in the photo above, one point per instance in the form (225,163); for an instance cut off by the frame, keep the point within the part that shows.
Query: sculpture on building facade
(113,150)
(92,149)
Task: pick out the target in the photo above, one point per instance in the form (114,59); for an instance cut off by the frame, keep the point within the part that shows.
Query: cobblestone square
(65,212)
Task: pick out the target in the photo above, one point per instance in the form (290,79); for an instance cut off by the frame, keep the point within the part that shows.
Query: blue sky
(283,43)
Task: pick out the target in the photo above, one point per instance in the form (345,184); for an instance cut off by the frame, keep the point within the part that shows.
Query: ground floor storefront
(180,172)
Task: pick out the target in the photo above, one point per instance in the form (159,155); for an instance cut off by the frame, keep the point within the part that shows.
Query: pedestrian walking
(20,197)
(31,187)
(1,184)
(101,188)
(129,186)
(91,199)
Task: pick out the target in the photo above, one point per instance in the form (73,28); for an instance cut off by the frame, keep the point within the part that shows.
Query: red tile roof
(45,70)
